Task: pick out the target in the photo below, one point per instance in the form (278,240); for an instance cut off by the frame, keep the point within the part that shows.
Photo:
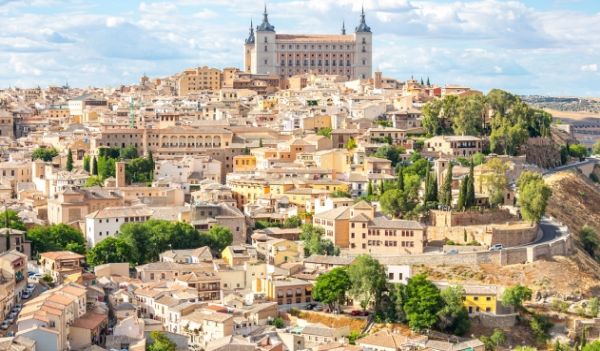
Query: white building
(349,55)
(189,170)
(107,222)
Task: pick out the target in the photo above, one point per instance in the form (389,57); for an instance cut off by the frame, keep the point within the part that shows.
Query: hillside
(576,202)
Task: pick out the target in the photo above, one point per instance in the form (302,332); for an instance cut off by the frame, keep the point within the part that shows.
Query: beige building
(454,145)
(197,80)
(59,264)
(73,204)
(286,55)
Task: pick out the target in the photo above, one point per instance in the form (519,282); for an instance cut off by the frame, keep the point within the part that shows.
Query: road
(570,166)
(13,327)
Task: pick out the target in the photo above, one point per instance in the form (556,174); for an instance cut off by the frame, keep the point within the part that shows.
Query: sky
(546,47)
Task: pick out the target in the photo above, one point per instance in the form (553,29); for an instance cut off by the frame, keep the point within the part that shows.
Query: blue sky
(528,47)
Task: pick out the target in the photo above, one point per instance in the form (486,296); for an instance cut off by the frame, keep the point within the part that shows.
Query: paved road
(570,166)
(550,231)
(13,327)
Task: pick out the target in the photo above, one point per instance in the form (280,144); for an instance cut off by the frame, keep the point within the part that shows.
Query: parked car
(30,287)
(18,306)
(357,313)
(9,319)
(310,306)
(10,333)
(26,294)
(318,308)
(5,325)
(496,247)
(452,252)
(13,315)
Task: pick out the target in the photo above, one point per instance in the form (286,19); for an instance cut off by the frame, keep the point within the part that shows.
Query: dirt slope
(575,201)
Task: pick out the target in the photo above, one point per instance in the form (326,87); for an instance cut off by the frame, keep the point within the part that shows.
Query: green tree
(159,342)
(589,240)
(390,152)
(292,222)
(578,151)
(592,307)
(54,237)
(596,148)
(368,280)
(525,348)
(11,219)
(470,195)
(340,193)
(95,166)
(446,192)
(69,160)
(462,194)
(478,159)
(277,322)
(494,178)
(533,196)
(422,303)
(326,132)
(394,202)
(351,144)
(331,287)
(592,346)
(540,325)
(86,163)
(491,343)
(110,250)
(218,238)
(93,181)
(44,154)
(516,295)
(139,170)
(453,317)
(370,188)
(128,153)
(314,244)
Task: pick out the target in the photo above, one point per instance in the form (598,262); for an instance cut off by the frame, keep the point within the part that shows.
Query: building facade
(349,55)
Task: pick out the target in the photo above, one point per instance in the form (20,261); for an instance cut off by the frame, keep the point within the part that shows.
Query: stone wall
(468,218)
(508,234)
(497,320)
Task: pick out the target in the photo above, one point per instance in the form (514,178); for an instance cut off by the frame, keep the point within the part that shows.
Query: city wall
(509,256)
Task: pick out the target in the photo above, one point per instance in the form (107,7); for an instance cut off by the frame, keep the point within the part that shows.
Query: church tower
(364,49)
(249,48)
(265,58)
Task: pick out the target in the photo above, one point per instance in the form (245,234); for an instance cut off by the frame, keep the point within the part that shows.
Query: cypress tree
(370,188)
(428,83)
(86,163)
(69,161)
(381,188)
(462,194)
(94,166)
(470,196)
(152,165)
(434,189)
(427,194)
(446,193)
(400,176)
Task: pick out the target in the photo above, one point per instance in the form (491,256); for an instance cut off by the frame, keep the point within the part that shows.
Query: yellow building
(328,185)
(303,198)
(336,160)
(286,291)
(481,298)
(235,255)
(281,251)
(248,190)
(244,163)
(268,104)
(316,122)
(199,79)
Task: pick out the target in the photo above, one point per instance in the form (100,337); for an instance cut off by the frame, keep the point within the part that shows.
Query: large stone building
(349,55)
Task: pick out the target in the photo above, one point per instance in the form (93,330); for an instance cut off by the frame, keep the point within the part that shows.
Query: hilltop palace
(350,55)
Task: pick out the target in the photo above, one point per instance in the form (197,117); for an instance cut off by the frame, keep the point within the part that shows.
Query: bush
(540,326)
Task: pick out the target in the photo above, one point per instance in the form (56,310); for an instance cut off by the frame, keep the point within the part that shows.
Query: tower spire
(343,28)
(362,27)
(265,26)
(251,39)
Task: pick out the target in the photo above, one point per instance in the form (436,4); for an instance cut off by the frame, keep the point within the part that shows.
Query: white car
(496,247)
(5,325)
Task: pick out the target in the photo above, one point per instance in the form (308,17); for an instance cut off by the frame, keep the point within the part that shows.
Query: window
(391,276)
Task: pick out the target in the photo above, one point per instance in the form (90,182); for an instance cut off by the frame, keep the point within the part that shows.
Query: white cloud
(590,68)
(114,21)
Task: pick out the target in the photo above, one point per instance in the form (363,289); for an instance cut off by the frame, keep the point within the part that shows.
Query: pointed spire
(343,28)
(265,26)
(362,27)
(251,39)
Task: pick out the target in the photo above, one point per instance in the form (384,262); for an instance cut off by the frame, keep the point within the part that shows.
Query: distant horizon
(527,47)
